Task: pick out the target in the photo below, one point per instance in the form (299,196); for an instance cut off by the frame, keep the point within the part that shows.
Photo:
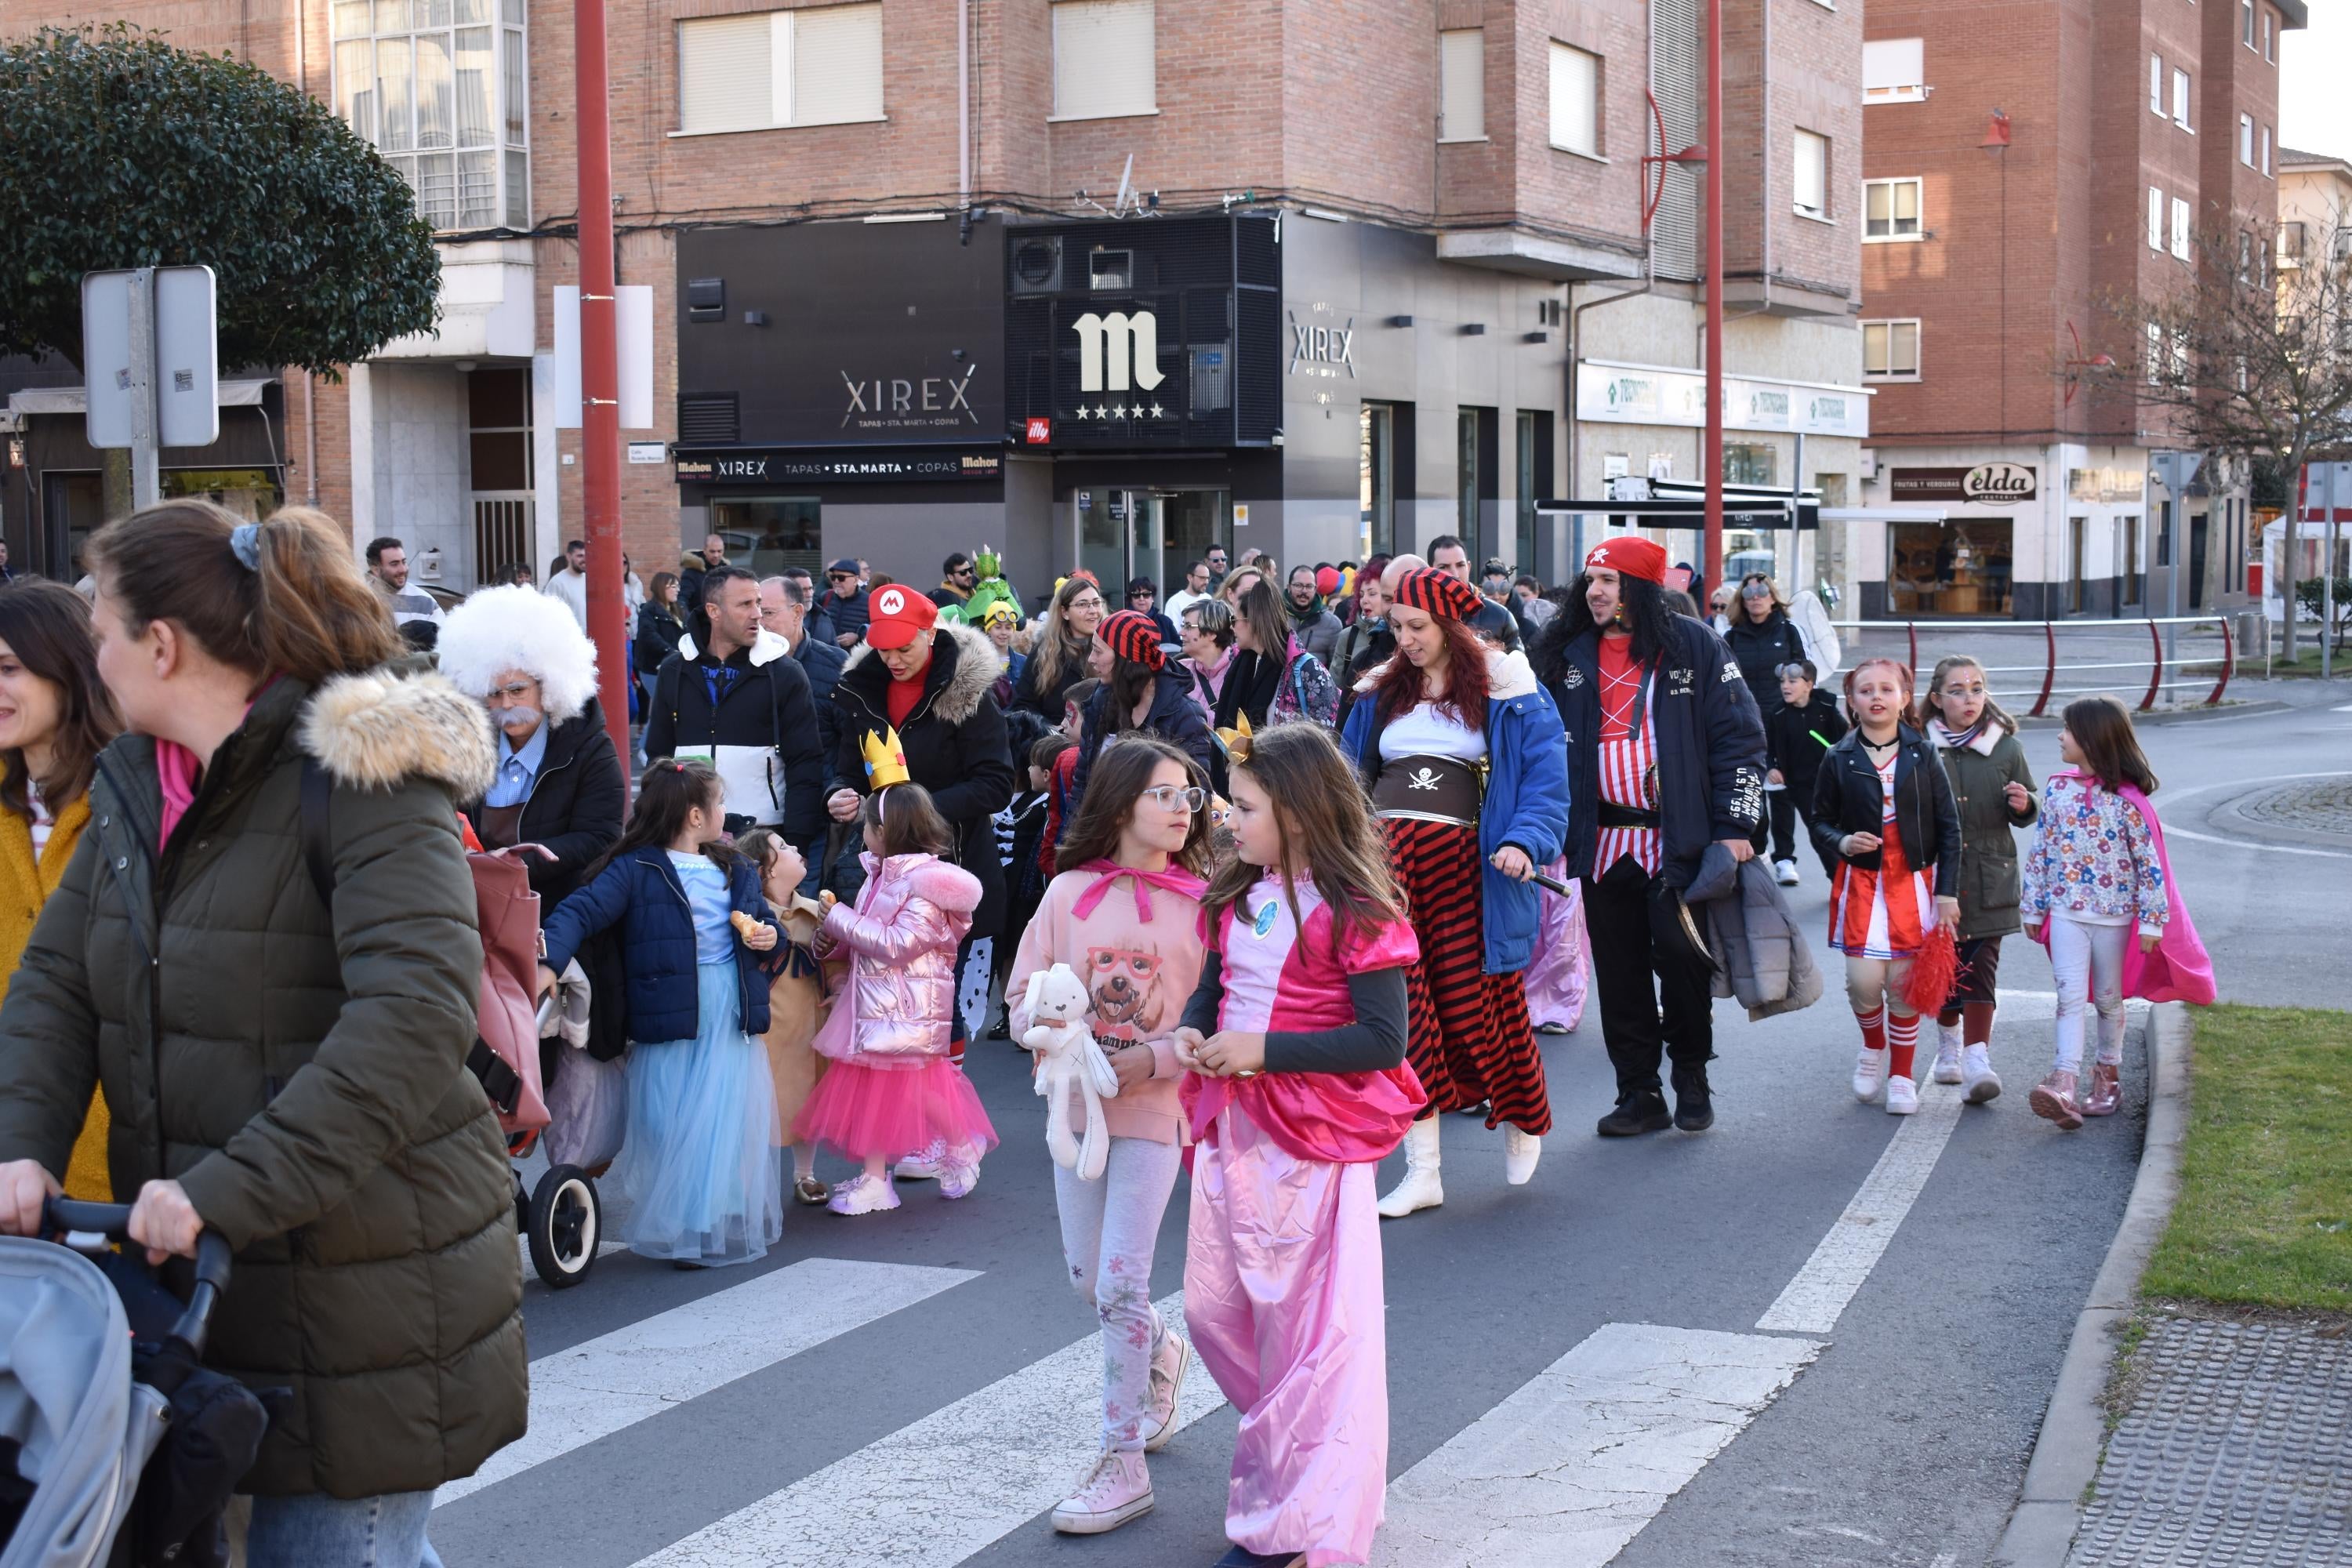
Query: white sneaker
(1869,1074)
(1169,1364)
(863,1193)
(1978,1082)
(1785,872)
(1520,1152)
(1116,1488)
(1947,1059)
(1421,1188)
(924,1164)
(1902,1099)
(958,1172)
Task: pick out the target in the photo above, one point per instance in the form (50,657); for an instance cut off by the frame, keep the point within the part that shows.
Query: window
(2127,528)
(2266,152)
(2269,51)
(1890,351)
(2155,86)
(2181,100)
(2245,256)
(1890,210)
(1812,182)
(2246,21)
(2180,228)
(1575,99)
(2155,218)
(1104,62)
(765,70)
(1893,71)
(1462,84)
(2157,358)
(438,88)
(2290,244)
(2246,140)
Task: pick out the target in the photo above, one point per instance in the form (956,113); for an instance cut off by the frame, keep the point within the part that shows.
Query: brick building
(1093,279)
(2133,128)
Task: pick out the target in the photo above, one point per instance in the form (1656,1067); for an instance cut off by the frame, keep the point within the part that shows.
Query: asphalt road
(1903,1442)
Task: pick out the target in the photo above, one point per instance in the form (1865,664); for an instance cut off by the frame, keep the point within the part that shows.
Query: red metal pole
(2049,671)
(2230,661)
(2156,680)
(600,373)
(1710,564)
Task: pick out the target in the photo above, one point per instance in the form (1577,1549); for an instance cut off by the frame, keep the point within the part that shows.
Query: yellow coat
(25,886)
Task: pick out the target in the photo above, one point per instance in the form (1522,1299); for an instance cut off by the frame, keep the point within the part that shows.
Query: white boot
(1869,1074)
(1947,1053)
(1978,1082)
(1520,1152)
(1421,1188)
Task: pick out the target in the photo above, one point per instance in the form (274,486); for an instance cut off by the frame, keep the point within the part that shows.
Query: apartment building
(1104,280)
(2028,163)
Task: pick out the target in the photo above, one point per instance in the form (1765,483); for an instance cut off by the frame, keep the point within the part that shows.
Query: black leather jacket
(1848,798)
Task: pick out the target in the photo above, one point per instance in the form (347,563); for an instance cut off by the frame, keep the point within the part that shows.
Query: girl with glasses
(1125,916)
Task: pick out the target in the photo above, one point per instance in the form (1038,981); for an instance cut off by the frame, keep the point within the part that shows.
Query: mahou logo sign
(1116,348)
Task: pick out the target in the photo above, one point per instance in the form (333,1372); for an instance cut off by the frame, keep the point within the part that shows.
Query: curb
(2041,1531)
(2178,715)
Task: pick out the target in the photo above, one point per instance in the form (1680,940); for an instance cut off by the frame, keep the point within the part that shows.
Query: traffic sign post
(151,365)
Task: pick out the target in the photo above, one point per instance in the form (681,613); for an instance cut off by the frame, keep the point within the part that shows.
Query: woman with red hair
(1463,751)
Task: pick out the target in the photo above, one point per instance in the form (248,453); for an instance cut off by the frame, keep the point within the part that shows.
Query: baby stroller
(562,1217)
(120,1450)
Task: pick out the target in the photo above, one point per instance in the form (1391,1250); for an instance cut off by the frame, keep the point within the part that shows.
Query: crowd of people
(1265,878)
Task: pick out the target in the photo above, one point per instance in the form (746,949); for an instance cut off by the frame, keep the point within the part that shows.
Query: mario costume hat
(886,760)
(1441,594)
(899,615)
(1134,637)
(1630,555)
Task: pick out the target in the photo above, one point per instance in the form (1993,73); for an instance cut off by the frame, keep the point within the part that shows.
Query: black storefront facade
(1118,393)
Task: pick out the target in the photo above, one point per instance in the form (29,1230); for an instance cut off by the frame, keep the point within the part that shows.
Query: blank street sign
(187,371)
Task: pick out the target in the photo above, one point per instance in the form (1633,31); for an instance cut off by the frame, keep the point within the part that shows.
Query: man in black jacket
(1665,756)
(742,703)
(845,602)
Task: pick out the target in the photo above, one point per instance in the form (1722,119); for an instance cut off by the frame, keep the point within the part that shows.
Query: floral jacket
(2094,858)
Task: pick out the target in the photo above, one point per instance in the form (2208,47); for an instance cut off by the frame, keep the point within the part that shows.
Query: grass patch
(2265,1211)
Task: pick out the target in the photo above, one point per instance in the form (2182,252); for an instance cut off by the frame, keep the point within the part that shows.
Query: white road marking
(2255,844)
(1575,1462)
(934,1492)
(1813,1301)
(619,1379)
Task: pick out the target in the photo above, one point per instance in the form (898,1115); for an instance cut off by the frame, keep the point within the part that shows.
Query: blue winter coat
(1527,794)
(640,891)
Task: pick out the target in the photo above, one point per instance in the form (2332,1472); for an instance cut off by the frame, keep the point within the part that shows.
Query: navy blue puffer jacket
(640,892)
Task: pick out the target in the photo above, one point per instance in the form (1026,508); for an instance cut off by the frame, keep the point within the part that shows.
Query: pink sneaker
(960,1170)
(2054,1100)
(863,1193)
(2107,1090)
(1168,1364)
(1114,1489)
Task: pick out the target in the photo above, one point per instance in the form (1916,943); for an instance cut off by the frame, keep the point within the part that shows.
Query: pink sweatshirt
(1135,943)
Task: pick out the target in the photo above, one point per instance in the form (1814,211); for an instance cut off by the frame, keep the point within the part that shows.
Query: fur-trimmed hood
(971,668)
(1509,675)
(381,726)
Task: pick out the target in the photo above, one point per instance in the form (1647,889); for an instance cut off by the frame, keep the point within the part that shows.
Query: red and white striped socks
(1897,1034)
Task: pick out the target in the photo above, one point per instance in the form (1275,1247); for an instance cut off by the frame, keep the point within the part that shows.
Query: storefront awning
(73,400)
(1882,514)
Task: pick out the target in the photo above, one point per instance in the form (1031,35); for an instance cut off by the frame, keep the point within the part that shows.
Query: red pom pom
(1933,972)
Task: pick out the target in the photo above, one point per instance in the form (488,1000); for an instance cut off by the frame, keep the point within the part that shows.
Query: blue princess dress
(705,1172)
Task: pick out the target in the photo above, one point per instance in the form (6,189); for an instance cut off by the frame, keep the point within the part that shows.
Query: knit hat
(1427,588)
(1327,581)
(1134,636)
(1630,555)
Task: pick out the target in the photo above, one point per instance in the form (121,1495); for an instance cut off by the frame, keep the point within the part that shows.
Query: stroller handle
(113,1222)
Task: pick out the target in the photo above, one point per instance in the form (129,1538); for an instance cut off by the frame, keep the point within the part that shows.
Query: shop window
(1533,471)
(1893,71)
(1462,84)
(1750,463)
(765,69)
(1575,100)
(1813,181)
(1949,568)
(1105,59)
(1376,478)
(439,88)
(1476,479)
(1890,210)
(772,534)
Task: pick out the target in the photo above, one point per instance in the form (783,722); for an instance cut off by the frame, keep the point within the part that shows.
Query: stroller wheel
(565,1225)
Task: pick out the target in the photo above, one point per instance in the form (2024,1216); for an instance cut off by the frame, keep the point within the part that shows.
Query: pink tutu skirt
(863,1109)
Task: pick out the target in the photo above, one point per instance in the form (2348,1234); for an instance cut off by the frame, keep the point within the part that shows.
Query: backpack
(505,1054)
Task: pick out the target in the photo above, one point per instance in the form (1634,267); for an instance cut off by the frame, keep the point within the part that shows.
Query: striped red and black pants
(1471,1036)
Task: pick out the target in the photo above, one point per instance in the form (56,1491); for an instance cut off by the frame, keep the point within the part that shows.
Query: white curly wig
(515,627)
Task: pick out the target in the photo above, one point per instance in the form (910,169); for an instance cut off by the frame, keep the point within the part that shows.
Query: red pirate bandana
(1134,636)
(1447,597)
(1630,555)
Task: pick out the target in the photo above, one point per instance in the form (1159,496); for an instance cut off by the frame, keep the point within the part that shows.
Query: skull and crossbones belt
(1430,789)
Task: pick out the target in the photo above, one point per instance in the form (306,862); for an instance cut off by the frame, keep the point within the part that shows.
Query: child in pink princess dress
(1295,1044)
(891,1087)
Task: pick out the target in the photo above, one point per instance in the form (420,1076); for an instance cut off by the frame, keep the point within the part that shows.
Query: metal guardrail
(2046,671)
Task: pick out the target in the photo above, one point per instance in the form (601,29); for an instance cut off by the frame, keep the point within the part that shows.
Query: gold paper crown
(1237,739)
(886,760)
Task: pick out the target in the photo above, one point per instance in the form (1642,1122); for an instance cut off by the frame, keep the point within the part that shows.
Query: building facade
(2020,181)
(1094,281)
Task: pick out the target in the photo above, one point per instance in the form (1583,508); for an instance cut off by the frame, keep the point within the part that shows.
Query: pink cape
(2178,968)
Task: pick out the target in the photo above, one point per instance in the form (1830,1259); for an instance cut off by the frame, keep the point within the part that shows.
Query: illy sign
(1987,484)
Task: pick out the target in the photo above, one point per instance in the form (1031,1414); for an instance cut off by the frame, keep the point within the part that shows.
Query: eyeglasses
(1171,798)
(1757,590)
(1090,602)
(512,693)
(1140,594)
(966,571)
(840,577)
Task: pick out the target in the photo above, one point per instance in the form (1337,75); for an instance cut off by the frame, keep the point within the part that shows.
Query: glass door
(1190,522)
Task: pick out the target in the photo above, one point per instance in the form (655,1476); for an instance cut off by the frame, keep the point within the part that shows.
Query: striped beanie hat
(1134,636)
(1447,597)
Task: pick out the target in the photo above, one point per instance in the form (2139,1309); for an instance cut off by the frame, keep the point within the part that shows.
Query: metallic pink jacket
(901,940)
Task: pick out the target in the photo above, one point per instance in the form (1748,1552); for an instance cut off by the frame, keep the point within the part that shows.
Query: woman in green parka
(290,1077)
(1995,791)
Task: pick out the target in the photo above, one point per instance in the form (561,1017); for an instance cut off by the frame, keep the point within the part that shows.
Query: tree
(2250,357)
(118,150)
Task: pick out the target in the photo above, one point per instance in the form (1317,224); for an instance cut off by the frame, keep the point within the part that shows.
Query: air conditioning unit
(1036,265)
(1870,464)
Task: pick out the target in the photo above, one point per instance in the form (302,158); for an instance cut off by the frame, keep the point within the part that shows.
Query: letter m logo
(1131,344)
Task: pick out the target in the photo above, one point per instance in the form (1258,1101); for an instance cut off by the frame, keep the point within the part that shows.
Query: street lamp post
(600,375)
(1711,457)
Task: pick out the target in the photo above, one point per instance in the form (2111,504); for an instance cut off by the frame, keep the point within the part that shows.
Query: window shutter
(726,73)
(1103,58)
(1462,84)
(1575,99)
(1893,69)
(837,65)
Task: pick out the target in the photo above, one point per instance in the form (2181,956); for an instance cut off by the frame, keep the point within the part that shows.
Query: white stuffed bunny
(1067,1056)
